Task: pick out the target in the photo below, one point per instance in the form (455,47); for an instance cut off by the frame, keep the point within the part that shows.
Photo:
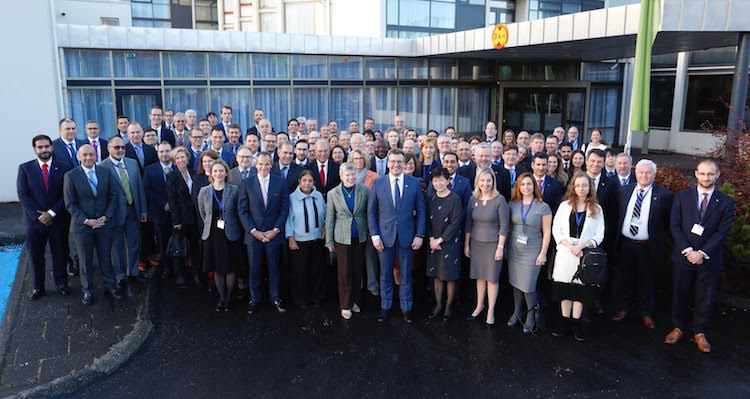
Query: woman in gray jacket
(347,233)
(222,231)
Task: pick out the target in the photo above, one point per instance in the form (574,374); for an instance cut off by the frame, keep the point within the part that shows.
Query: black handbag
(592,270)
(178,245)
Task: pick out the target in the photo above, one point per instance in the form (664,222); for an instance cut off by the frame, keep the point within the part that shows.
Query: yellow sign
(500,36)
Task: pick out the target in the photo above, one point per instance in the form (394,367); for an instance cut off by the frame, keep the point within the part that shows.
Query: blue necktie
(245,174)
(93,181)
(397,197)
(139,153)
(284,171)
(73,154)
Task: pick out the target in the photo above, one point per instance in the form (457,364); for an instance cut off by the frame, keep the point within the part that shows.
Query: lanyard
(645,193)
(579,220)
(524,215)
(220,202)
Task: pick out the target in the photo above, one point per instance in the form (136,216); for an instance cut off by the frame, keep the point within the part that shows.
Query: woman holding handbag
(182,197)
(578,224)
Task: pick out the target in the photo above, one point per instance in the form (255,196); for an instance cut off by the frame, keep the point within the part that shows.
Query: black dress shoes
(88,299)
(63,290)
(409,317)
(383,315)
(279,306)
(114,294)
(253,307)
(36,294)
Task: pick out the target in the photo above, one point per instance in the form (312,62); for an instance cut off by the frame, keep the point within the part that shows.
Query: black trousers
(350,259)
(181,263)
(36,239)
(163,231)
(633,279)
(307,273)
(703,281)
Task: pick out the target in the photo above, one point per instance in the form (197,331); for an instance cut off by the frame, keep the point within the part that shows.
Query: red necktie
(322,175)
(539,183)
(45,175)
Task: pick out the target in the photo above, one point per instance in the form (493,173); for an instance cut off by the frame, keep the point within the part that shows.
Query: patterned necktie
(96,150)
(125,183)
(45,175)
(637,211)
(397,195)
(73,153)
(245,174)
(704,205)
(93,181)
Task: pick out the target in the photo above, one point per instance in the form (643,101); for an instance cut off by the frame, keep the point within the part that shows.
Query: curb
(115,357)
(11,310)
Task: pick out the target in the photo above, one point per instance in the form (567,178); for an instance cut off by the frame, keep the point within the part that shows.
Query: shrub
(671,179)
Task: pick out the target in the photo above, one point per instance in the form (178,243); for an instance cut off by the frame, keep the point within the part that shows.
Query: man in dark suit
(234,139)
(40,190)
(155,186)
(643,217)
(700,222)
(286,168)
(258,115)
(510,158)
(464,155)
(226,120)
(483,157)
(551,188)
(397,218)
(90,194)
(326,171)
(263,207)
(574,139)
(379,161)
(180,131)
(66,146)
(92,137)
(624,166)
(131,212)
(217,144)
(195,148)
(162,133)
(458,184)
(244,168)
(136,149)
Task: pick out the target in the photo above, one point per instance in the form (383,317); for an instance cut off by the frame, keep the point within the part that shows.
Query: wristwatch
(276,230)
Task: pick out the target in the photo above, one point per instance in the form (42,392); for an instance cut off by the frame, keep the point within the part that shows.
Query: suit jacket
(231,148)
(292,175)
(630,181)
(136,188)
(552,193)
(254,214)
(166,135)
(221,125)
(236,176)
(182,201)
(149,155)
(81,202)
(565,263)
(716,225)
(185,138)
(502,178)
(606,195)
(34,197)
(155,186)
(193,162)
(659,214)
(374,166)
(60,151)
(461,186)
(339,217)
(388,222)
(332,177)
(102,146)
(230,214)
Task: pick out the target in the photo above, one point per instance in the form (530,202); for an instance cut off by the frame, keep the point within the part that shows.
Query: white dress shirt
(396,180)
(596,180)
(49,169)
(325,169)
(645,210)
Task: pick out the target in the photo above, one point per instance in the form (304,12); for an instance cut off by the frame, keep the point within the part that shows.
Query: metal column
(739,87)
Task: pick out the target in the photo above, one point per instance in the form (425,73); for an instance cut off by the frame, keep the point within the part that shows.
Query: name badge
(220,224)
(522,239)
(635,222)
(697,230)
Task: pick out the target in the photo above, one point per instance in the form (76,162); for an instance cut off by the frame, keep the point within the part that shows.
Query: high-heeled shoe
(220,306)
(489,326)
(435,313)
(448,313)
(474,316)
(513,320)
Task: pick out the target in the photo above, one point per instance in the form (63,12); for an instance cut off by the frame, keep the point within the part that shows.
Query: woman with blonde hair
(428,158)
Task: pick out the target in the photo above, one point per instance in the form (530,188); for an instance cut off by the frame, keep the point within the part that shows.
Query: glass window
(443,15)
(443,69)
(141,10)
(380,105)
(391,10)
(311,102)
(380,68)
(270,66)
(87,64)
(600,71)
(660,105)
(412,106)
(473,69)
(346,67)
(182,99)
(299,18)
(664,61)
(95,105)
(275,101)
(412,68)
(239,100)
(559,71)
(346,105)
(268,22)
(229,65)
(184,65)
(442,107)
(603,109)
(473,109)
(136,64)
(310,66)
(704,109)
(713,56)
(414,13)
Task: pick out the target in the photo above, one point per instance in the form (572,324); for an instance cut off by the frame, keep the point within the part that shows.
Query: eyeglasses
(118,147)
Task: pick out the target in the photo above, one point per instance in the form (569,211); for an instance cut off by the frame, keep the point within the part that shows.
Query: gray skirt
(483,264)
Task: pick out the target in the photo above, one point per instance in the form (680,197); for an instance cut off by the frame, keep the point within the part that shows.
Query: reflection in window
(346,67)
(380,68)
(473,109)
(345,105)
(442,107)
(412,68)
(601,71)
(603,110)
(662,98)
(473,69)
(187,98)
(414,13)
(380,104)
(270,66)
(704,109)
(310,66)
(184,65)
(239,100)
(87,63)
(443,69)
(412,106)
(442,15)
(713,57)
(92,104)
(229,65)
(136,64)
(275,101)
(311,102)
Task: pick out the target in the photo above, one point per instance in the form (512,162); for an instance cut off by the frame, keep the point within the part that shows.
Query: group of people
(228,212)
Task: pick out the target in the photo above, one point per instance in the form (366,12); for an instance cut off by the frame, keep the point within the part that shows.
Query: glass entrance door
(543,109)
(136,103)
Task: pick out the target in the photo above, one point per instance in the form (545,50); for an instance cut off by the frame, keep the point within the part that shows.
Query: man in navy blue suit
(642,221)
(395,202)
(136,149)
(510,159)
(623,167)
(458,184)
(40,190)
(156,116)
(66,146)
(263,207)
(92,137)
(325,171)
(226,119)
(217,144)
(700,222)
(286,168)
(483,157)
(551,188)
(155,186)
